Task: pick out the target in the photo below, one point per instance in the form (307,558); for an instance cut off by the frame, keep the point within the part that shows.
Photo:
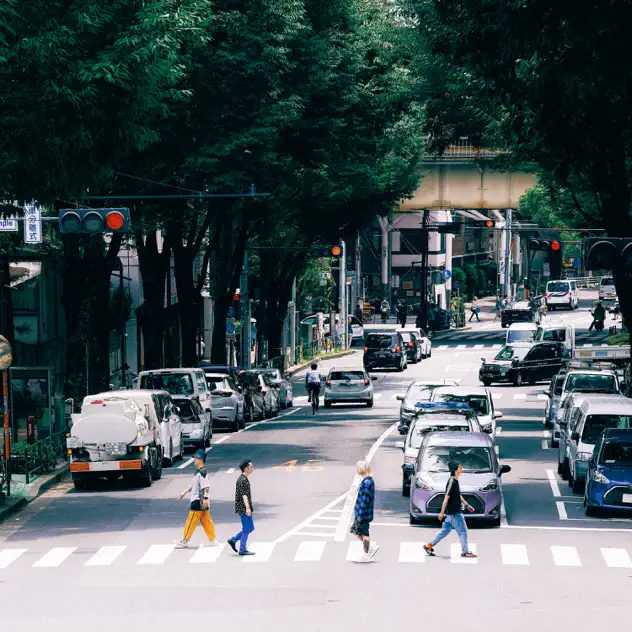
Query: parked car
(478,398)
(607,289)
(348,385)
(594,415)
(426,343)
(284,384)
(196,429)
(565,415)
(609,476)
(562,293)
(226,369)
(520,332)
(227,401)
(418,391)
(522,363)
(261,400)
(385,349)
(520,312)
(434,418)
(412,345)
(480,482)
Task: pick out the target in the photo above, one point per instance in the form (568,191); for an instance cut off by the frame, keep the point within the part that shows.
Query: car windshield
(558,286)
(519,335)
(473,459)
(174,383)
(420,393)
(596,424)
(590,383)
(615,453)
(273,374)
(422,429)
(478,403)
(406,336)
(509,353)
(185,410)
(607,281)
(346,375)
(213,380)
(379,342)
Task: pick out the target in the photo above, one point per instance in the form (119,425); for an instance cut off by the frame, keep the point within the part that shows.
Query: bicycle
(369,319)
(315,395)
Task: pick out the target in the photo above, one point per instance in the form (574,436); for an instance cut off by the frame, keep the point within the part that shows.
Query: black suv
(521,312)
(385,349)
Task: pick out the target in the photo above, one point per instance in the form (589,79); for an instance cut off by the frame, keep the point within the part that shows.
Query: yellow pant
(192,521)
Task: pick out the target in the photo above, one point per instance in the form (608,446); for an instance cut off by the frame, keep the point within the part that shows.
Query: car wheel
(503,325)
(560,469)
(156,473)
(400,368)
(518,380)
(486,382)
(554,443)
(145,475)
(413,520)
(79,485)
(406,489)
(234,426)
(566,472)
(592,512)
(369,404)
(290,404)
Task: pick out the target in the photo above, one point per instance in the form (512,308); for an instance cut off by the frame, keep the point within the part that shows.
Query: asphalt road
(104,558)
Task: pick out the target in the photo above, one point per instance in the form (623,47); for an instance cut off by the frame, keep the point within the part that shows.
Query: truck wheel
(79,484)
(518,381)
(145,472)
(157,470)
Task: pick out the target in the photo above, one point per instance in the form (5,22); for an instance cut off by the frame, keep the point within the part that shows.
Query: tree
(551,80)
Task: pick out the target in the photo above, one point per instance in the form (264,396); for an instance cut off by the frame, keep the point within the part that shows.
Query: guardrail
(587,282)
(40,457)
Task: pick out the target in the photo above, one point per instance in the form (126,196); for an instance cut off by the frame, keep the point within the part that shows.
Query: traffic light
(452,227)
(81,221)
(325,251)
(542,244)
(605,253)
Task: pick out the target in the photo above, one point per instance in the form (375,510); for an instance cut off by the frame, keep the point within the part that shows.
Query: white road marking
(587,345)
(8,556)
(545,445)
(460,346)
(55,557)
(442,347)
(496,346)
(105,556)
(499,429)
(561,510)
(565,556)
(156,554)
(478,346)
(185,464)
(546,434)
(207,554)
(520,396)
(230,470)
(377,395)
(514,554)
(543,397)
(221,440)
(496,449)
(616,558)
(553,482)
(310,551)
(497,395)
(355,551)
(345,518)
(455,554)
(263,552)
(503,514)
(412,552)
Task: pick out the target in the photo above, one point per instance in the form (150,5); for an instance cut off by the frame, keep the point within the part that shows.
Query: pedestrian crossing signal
(93,221)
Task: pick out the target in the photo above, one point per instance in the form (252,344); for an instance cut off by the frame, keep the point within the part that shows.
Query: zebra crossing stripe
(455,554)
(157,554)
(207,554)
(263,551)
(105,555)
(8,556)
(514,554)
(310,551)
(616,558)
(478,346)
(412,552)
(565,556)
(55,557)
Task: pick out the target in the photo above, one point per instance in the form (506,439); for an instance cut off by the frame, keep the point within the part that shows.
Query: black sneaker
(231,544)
(429,549)
(247,553)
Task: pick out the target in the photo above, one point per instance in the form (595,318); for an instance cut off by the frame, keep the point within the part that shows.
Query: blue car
(609,477)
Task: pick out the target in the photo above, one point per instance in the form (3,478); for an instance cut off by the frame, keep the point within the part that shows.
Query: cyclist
(312,382)
(385,308)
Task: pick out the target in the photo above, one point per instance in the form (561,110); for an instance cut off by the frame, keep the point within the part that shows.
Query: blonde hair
(363,468)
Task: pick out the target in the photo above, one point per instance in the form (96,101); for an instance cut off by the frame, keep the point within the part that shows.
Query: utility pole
(423,303)
(123,328)
(342,292)
(507,279)
(358,281)
(245,314)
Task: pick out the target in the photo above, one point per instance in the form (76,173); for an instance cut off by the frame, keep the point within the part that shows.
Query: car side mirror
(497,415)
(482,359)
(207,410)
(401,398)
(563,424)
(504,469)
(546,393)
(400,444)
(488,430)
(575,436)
(177,409)
(374,378)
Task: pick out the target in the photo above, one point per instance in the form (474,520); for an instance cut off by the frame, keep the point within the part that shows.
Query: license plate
(115,448)
(627,498)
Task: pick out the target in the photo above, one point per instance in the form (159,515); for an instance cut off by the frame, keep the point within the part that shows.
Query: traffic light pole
(342,292)
(423,303)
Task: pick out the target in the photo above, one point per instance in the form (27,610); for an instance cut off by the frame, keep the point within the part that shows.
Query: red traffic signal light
(93,221)
(555,246)
(326,251)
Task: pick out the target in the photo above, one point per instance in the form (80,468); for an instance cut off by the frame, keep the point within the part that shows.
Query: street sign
(230,313)
(32,224)
(446,274)
(456,285)
(546,269)
(230,328)
(8,224)
(6,354)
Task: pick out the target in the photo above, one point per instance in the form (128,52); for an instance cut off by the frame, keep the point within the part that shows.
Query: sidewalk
(22,494)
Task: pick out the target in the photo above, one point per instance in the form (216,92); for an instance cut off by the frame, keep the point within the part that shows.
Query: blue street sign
(456,285)
(230,327)
(446,274)
(230,313)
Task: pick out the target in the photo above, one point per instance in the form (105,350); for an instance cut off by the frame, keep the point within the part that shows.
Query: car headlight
(584,456)
(421,484)
(490,486)
(407,411)
(598,477)
(409,460)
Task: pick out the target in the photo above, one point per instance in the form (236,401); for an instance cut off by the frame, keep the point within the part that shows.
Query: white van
(520,332)
(556,331)
(607,290)
(562,293)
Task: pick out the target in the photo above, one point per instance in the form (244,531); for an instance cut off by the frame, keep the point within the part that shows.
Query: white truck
(113,438)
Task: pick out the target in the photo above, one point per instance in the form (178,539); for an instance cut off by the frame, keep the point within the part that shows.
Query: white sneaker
(181,544)
(212,543)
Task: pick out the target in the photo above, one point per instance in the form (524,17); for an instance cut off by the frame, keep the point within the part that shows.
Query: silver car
(227,402)
(348,385)
(418,391)
(284,385)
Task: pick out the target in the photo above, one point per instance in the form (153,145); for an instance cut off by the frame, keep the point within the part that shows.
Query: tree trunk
(154,267)
(188,303)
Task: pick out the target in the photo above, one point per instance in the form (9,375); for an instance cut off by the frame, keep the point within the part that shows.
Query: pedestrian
(199,508)
(432,310)
(244,509)
(452,511)
(499,309)
(365,502)
(402,313)
(475,310)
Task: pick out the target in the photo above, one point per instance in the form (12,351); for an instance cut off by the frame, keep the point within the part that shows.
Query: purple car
(480,481)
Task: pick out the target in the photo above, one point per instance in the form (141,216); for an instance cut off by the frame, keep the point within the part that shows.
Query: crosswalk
(314,551)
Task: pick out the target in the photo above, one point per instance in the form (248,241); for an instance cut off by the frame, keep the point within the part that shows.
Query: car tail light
(366,348)
(396,349)
(328,382)
(367,381)
(411,345)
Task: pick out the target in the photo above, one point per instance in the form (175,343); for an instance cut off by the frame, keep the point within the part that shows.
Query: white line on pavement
(310,551)
(545,445)
(230,470)
(207,554)
(55,557)
(263,552)
(105,555)
(553,482)
(514,554)
(499,429)
(345,518)
(455,554)
(561,510)
(520,396)
(157,554)
(565,556)
(478,346)
(8,556)
(412,552)
(616,558)
(497,395)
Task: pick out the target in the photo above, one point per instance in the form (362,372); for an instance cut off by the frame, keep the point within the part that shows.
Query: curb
(333,356)
(54,478)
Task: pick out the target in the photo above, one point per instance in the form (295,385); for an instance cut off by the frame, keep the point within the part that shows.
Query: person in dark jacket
(402,314)
(365,503)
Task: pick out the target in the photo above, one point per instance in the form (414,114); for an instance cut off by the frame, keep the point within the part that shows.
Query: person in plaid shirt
(364,511)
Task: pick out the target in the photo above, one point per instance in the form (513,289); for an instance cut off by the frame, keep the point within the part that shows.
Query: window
(615,453)
(607,281)
(213,381)
(596,424)
(586,383)
(201,381)
(473,459)
(509,353)
(376,341)
(185,409)
(575,415)
(551,352)
(346,375)
(556,335)
(559,385)
(478,403)
(519,335)
(558,286)
(422,429)
(174,383)
(407,337)
(536,354)
(419,394)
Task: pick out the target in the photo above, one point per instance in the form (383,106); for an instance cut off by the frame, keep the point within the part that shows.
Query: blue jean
(247,527)
(456,522)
